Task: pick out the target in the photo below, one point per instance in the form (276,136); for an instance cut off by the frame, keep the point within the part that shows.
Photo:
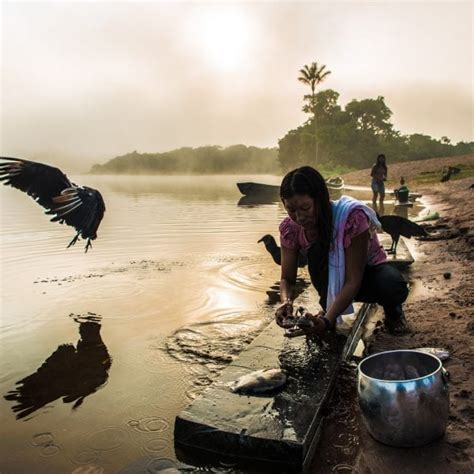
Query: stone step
(278,429)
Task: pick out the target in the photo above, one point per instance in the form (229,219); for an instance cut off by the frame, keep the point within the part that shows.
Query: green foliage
(354,136)
(202,160)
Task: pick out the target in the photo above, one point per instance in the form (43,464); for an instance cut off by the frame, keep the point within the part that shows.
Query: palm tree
(313,75)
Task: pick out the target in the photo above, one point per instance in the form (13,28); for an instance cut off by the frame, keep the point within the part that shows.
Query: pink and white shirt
(292,236)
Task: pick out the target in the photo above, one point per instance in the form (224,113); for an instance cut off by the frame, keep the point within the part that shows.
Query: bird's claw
(73,241)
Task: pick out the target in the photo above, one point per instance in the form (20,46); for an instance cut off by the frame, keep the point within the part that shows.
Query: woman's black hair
(308,181)
(379,163)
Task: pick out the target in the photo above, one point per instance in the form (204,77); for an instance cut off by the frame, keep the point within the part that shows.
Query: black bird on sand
(451,171)
(78,206)
(397,226)
(275,251)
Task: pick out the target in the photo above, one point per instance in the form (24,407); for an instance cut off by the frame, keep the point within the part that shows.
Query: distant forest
(333,139)
(203,160)
(354,136)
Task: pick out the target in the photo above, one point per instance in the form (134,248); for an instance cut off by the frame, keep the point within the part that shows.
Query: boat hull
(260,189)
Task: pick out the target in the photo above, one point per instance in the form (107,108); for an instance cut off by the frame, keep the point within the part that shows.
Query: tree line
(202,160)
(353,136)
(333,139)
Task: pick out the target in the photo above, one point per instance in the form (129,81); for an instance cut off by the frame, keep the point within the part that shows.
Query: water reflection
(257,200)
(397,209)
(71,373)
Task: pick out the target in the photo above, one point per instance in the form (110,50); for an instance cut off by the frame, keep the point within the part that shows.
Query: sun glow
(224,37)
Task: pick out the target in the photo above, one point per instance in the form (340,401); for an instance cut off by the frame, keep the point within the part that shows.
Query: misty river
(100,351)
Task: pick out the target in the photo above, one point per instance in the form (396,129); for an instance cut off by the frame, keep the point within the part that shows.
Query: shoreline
(439,313)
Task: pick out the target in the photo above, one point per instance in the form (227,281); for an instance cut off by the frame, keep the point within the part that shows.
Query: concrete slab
(279,430)
(262,432)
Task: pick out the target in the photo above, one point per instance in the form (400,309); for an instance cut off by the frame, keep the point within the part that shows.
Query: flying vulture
(78,206)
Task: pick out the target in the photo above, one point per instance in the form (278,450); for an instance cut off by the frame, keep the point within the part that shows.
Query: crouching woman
(346,262)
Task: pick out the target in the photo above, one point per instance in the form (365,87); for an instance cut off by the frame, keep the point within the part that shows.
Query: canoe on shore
(335,183)
(260,189)
(255,189)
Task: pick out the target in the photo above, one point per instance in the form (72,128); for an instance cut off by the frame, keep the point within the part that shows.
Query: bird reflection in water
(71,373)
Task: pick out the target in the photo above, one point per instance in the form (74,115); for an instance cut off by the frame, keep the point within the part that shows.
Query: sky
(82,82)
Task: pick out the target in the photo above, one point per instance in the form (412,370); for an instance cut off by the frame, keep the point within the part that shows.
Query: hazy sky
(83,82)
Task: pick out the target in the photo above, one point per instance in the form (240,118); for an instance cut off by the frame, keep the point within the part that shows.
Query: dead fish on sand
(259,381)
(439,352)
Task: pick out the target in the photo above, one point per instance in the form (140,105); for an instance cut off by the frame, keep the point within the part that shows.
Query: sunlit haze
(84,82)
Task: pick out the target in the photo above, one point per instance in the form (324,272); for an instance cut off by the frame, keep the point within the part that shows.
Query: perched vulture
(397,226)
(78,206)
(275,251)
(452,170)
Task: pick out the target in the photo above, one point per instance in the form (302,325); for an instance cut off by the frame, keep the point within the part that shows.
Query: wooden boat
(335,183)
(267,190)
(258,189)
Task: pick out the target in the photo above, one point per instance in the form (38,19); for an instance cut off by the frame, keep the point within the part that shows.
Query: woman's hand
(313,324)
(284,315)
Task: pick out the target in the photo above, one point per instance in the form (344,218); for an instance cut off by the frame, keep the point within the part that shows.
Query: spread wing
(41,182)
(79,207)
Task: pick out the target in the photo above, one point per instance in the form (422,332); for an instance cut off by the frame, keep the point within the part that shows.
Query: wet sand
(439,311)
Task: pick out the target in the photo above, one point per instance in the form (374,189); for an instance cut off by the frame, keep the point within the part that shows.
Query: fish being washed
(259,381)
(439,352)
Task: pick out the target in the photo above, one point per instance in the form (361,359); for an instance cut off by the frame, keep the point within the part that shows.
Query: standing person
(379,174)
(345,259)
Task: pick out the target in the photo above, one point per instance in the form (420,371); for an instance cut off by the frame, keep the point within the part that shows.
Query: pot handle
(446,376)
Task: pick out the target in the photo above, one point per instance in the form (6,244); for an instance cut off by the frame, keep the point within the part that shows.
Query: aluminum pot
(403,396)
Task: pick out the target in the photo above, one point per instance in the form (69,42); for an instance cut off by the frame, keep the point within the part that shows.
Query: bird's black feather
(79,207)
(275,251)
(398,226)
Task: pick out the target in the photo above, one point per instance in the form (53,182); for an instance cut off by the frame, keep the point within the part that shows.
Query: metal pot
(403,396)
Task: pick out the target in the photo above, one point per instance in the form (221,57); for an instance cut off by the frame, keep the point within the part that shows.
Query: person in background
(379,175)
(346,262)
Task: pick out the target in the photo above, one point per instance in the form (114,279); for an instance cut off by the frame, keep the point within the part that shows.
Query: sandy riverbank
(440,314)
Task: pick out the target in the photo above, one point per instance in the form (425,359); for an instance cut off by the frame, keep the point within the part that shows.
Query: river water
(101,351)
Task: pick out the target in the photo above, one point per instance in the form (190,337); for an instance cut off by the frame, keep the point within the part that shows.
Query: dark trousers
(382,284)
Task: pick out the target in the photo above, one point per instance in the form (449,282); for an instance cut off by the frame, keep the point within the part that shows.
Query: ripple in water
(86,457)
(107,439)
(89,469)
(217,341)
(149,424)
(156,358)
(342,468)
(45,443)
(42,439)
(49,450)
(87,317)
(157,445)
(249,275)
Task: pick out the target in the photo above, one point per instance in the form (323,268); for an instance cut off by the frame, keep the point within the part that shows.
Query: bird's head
(266,239)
